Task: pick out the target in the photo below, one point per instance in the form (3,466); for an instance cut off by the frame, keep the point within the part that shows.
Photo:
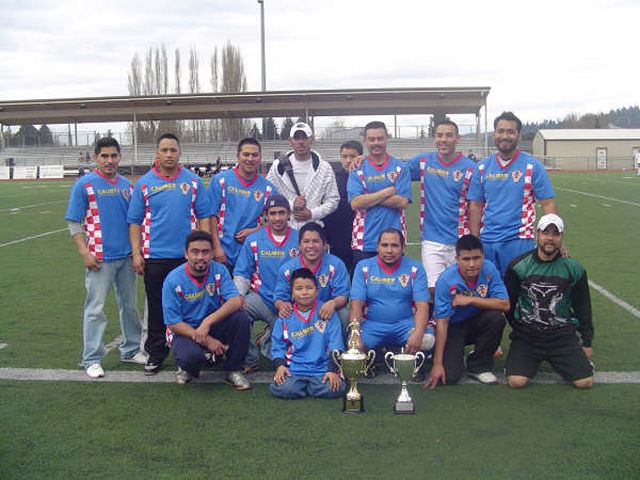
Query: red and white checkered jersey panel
(357,233)
(92,225)
(256,280)
(223,206)
(145,231)
(463,205)
(527,224)
(192,213)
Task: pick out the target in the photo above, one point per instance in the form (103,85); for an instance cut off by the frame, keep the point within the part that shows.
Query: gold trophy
(404,366)
(353,364)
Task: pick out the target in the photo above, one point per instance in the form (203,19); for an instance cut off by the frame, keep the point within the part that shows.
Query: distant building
(587,149)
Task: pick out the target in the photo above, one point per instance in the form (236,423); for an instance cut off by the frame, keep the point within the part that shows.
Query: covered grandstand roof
(310,103)
(590,134)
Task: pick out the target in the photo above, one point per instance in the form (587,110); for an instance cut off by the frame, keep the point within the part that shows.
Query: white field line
(32,237)
(618,301)
(30,206)
(2,345)
(633,204)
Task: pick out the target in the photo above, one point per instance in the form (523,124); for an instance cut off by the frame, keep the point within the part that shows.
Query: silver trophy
(404,366)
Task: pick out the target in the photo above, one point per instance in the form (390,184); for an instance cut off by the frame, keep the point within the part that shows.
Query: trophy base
(352,406)
(404,408)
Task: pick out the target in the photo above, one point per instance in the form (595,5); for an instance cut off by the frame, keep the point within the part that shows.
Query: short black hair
(508,117)
(352,145)
(312,227)
(468,242)
(303,273)
(394,231)
(196,236)
(375,124)
(106,142)
(249,141)
(449,122)
(170,136)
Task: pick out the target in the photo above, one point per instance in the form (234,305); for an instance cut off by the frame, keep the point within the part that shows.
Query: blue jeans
(256,309)
(119,274)
(300,387)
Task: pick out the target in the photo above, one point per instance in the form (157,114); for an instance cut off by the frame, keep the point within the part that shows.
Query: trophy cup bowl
(404,366)
(353,364)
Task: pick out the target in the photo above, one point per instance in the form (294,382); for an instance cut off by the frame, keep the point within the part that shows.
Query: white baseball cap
(551,219)
(301,127)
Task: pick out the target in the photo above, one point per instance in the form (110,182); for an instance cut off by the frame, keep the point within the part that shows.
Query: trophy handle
(389,356)
(419,355)
(371,356)
(335,355)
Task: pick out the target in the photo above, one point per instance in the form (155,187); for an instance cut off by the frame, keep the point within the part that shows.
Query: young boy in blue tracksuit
(301,345)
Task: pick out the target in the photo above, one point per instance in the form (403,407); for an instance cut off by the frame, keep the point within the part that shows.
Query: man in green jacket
(550,305)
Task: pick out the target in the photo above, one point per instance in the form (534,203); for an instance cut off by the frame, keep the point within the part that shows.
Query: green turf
(55,430)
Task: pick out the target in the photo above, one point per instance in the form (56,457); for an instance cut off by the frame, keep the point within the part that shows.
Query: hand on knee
(518,381)
(583,382)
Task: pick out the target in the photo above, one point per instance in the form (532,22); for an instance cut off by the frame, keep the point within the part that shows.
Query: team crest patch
(322,280)
(126,194)
(179,291)
(482,290)
(258,195)
(392,176)
(184,188)
(320,325)
(457,175)
(516,175)
(293,252)
(404,280)
(211,288)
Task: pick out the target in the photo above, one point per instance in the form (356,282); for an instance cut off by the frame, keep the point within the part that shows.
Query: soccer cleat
(484,377)
(182,376)
(250,369)
(262,336)
(139,358)
(152,367)
(95,370)
(237,380)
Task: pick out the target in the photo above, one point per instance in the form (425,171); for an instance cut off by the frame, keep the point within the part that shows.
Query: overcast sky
(542,59)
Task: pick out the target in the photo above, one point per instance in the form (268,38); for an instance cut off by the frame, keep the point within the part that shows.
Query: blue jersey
(303,342)
(370,178)
(238,204)
(389,293)
(510,195)
(489,284)
(444,208)
(331,273)
(185,299)
(167,210)
(260,260)
(101,206)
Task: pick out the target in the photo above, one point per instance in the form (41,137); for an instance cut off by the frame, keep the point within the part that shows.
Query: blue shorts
(382,334)
(501,253)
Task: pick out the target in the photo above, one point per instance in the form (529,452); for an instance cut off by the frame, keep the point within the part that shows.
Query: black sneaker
(372,372)
(152,367)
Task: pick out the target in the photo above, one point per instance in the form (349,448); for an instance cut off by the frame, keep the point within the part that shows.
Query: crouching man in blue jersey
(389,296)
(202,308)
(301,345)
(470,300)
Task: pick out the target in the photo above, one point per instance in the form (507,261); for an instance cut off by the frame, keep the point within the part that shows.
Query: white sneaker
(484,377)
(95,371)
(182,376)
(139,358)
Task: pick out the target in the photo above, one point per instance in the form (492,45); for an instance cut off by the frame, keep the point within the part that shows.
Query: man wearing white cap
(307,181)
(550,304)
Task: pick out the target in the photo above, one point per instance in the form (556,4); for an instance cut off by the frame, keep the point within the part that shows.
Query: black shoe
(372,371)
(152,367)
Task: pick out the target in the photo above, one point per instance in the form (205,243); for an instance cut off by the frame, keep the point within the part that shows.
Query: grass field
(111,430)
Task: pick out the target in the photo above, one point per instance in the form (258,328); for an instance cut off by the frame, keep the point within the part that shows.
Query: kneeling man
(470,299)
(202,308)
(550,301)
(385,290)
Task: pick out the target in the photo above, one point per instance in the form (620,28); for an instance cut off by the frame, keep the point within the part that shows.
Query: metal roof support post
(75,131)
(486,128)
(135,141)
